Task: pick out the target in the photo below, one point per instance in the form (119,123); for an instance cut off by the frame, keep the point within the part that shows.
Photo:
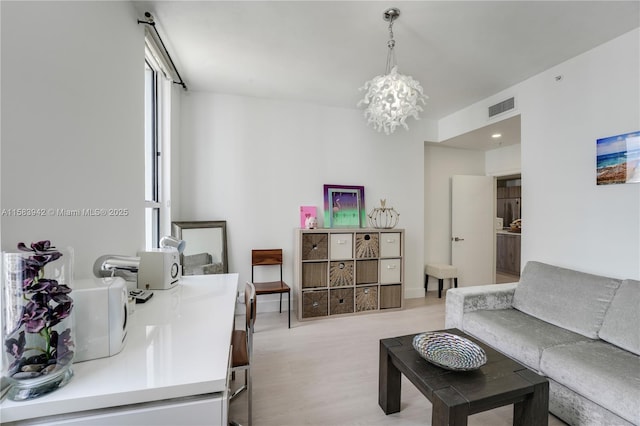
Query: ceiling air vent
(501,107)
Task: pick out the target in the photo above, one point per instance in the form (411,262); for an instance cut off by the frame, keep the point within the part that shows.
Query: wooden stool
(440,271)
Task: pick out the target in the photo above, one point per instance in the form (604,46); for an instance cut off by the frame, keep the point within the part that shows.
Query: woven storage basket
(314,274)
(314,246)
(367,245)
(366,298)
(314,303)
(390,296)
(366,271)
(449,351)
(341,274)
(340,301)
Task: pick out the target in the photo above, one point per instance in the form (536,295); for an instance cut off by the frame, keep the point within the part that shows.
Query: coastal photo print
(618,159)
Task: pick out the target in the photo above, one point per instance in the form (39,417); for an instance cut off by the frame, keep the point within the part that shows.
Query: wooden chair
(270,257)
(242,350)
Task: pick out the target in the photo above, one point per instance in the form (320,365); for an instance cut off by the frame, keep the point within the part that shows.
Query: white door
(472,229)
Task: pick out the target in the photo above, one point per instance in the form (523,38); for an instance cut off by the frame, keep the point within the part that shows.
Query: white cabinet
(348,271)
(211,409)
(150,382)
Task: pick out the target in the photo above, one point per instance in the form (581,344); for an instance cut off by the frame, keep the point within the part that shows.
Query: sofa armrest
(467,299)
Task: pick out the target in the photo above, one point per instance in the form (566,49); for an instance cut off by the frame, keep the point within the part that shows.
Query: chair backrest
(251,309)
(266,257)
(250,303)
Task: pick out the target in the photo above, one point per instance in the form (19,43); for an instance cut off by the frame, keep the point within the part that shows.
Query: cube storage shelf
(348,271)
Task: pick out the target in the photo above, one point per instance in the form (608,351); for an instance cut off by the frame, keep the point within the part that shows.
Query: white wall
(72,125)
(254,162)
(503,161)
(440,164)
(570,221)
(573,221)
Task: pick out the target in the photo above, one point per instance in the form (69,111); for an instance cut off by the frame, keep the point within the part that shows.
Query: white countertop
(506,232)
(177,345)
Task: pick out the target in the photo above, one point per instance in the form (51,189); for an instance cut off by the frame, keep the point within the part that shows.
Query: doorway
(492,151)
(508,228)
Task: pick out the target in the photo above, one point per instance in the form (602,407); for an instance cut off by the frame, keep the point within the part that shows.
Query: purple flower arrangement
(40,341)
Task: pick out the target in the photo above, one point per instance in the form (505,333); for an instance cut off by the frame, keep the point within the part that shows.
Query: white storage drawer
(390,271)
(390,244)
(341,246)
(186,411)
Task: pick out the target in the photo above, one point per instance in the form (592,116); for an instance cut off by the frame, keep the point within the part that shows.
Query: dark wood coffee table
(455,395)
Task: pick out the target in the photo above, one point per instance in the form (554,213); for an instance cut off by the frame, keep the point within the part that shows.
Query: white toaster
(159,269)
(101,317)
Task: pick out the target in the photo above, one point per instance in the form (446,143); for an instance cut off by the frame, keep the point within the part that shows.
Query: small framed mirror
(206,246)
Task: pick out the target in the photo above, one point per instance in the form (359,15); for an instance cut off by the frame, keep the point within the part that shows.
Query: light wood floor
(506,278)
(325,372)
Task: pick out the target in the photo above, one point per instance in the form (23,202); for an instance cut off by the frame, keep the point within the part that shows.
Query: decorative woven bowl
(449,351)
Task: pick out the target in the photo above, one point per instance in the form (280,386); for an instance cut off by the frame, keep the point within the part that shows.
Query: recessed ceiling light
(496,135)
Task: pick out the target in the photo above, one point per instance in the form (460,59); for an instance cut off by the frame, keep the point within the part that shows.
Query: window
(157,104)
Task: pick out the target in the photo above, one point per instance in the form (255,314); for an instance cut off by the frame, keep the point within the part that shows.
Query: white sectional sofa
(581,331)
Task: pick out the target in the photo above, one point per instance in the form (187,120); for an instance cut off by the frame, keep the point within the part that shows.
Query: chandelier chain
(391,44)
(393,97)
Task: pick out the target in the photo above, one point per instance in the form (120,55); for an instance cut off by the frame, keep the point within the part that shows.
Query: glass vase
(37,322)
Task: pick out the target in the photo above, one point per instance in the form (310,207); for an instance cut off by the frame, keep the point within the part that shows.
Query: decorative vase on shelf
(37,325)
(383,217)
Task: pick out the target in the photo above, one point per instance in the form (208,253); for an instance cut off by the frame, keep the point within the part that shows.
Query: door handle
(457,239)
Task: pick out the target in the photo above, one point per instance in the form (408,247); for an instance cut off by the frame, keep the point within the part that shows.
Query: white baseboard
(413,293)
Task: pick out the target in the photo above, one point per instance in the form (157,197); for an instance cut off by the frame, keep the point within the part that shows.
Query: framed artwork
(344,206)
(618,159)
(306,212)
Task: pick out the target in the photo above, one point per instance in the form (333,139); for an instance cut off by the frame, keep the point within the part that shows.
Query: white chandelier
(392,97)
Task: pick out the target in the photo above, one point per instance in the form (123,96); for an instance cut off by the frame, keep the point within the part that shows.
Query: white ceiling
(323,51)
(483,139)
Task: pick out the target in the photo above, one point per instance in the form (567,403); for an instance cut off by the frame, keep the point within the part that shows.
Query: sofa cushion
(599,371)
(569,299)
(518,335)
(575,409)
(621,324)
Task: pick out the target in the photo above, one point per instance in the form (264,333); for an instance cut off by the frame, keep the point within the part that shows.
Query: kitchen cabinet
(508,209)
(513,191)
(506,189)
(508,253)
(508,203)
